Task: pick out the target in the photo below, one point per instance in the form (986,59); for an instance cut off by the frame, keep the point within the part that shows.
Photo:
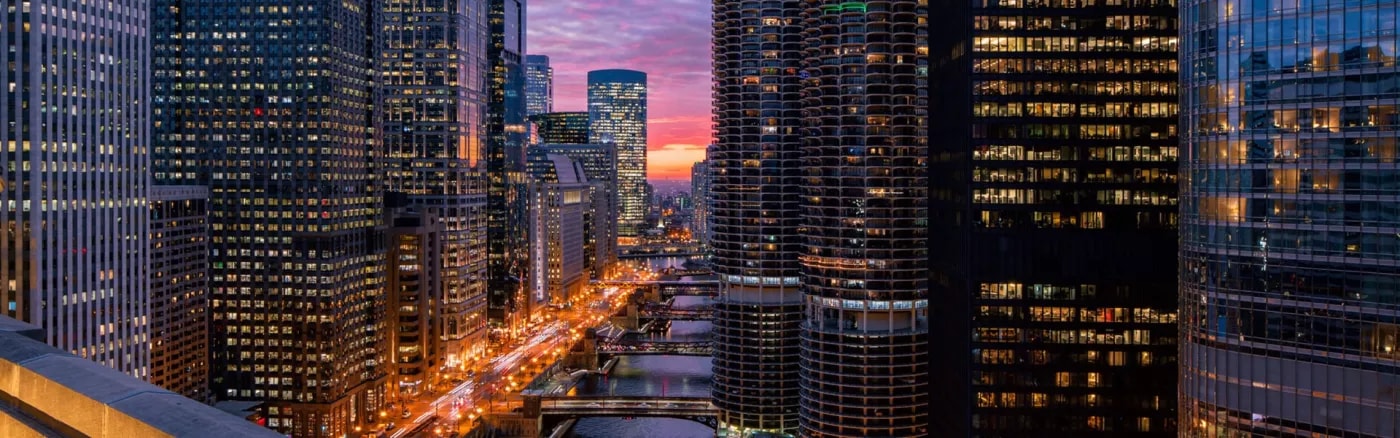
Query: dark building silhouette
(1054,217)
(507,135)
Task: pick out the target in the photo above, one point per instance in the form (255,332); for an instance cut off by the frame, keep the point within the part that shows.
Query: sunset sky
(667,39)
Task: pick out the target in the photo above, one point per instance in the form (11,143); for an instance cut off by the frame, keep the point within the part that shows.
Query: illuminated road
(512,370)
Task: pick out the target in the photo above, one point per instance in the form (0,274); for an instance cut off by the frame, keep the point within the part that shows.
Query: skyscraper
(562,128)
(1288,239)
(756,164)
(599,164)
(506,130)
(539,85)
(1053,175)
(617,108)
(864,356)
(434,151)
(180,290)
(75,189)
(559,208)
(290,159)
(701,183)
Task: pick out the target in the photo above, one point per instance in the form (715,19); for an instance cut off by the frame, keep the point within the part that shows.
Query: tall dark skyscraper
(562,127)
(617,113)
(1290,298)
(75,123)
(507,133)
(1054,198)
(757,187)
(281,135)
(864,356)
(433,154)
(539,85)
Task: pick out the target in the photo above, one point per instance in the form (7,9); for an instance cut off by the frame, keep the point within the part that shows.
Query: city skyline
(671,45)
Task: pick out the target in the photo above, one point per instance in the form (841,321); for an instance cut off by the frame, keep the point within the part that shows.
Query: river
(656,375)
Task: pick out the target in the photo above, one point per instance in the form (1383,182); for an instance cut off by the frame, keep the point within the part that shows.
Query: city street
(437,414)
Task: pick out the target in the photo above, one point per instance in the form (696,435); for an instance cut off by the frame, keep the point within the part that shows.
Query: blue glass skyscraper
(1290,292)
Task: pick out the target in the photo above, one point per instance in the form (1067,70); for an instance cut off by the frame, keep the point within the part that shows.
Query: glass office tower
(617,113)
(269,105)
(539,85)
(1290,295)
(507,133)
(433,154)
(864,350)
(757,187)
(1054,215)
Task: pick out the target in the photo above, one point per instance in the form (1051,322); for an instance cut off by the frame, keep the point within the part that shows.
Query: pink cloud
(667,39)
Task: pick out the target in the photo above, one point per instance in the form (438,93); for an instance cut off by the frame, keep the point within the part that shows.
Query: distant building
(180,290)
(539,85)
(413,296)
(562,128)
(701,219)
(558,206)
(600,168)
(617,107)
(74,192)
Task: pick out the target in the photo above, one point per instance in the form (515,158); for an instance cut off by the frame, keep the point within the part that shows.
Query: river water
(656,375)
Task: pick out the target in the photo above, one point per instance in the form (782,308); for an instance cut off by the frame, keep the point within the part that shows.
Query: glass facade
(864,349)
(562,128)
(507,134)
(756,164)
(1055,205)
(617,114)
(269,105)
(433,152)
(539,85)
(1290,294)
(75,126)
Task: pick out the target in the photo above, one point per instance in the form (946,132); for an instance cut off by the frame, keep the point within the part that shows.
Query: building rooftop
(45,391)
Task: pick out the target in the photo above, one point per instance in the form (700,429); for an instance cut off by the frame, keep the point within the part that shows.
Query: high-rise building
(76,125)
(507,133)
(180,290)
(562,127)
(1054,200)
(1290,299)
(539,85)
(617,110)
(434,153)
(412,299)
(864,356)
(600,229)
(757,187)
(700,187)
(290,160)
(559,207)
